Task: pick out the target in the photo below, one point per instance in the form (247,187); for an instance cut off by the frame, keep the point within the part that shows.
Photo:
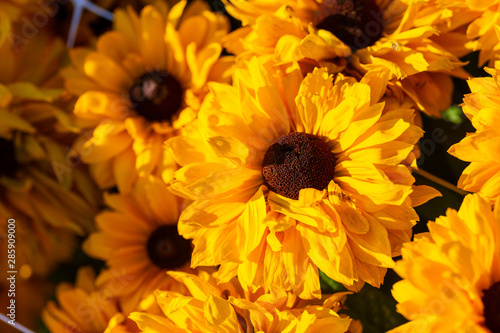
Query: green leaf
(453,114)
(375,310)
(329,286)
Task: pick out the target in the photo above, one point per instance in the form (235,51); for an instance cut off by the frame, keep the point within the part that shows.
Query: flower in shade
(481,148)
(451,275)
(144,81)
(139,241)
(214,308)
(51,198)
(298,176)
(347,36)
(84,308)
(32,294)
(11,12)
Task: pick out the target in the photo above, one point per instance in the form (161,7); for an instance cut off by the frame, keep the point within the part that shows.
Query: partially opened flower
(212,308)
(347,36)
(145,80)
(482,107)
(51,197)
(84,308)
(291,178)
(139,241)
(451,275)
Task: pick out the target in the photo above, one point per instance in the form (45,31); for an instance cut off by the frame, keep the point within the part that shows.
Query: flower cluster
(249,166)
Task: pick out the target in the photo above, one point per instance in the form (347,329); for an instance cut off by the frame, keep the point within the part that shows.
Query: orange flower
(311,173)
(142,84)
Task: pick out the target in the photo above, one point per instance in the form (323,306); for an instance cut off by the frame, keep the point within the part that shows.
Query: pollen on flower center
(167,249)
(156,96)
(296,161)
(491,301)
(8,163)
(357,23)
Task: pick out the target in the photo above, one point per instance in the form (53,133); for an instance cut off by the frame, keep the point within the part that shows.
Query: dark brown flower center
(167,249)
(357,23)
(8,163)
(157,96)
(296,161)
(491,301)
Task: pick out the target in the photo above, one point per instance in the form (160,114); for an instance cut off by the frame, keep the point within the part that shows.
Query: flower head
(348,36)
(84,308)
(372,34)
(288,179)
(480,148)
(141,85)
(139,241)
(50,196)
(451,275)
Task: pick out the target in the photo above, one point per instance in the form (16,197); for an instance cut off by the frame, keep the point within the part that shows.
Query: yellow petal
(152,38)
(104,70)
(229,147)
(102,146)
(422,193)
(372,247)
(153,323)
(124,170)
(337,263)
(220,315)
(302,274)
(351,217)
(251,226)
(198,288)
(30,91)
(188,150)
(163,203)
(11,121)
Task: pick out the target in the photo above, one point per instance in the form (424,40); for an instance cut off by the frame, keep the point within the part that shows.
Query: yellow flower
(84,308)
(451,275)
(450,18)
(464,26)
(212,308)
(49,195)
(374,34)
(349,36)
(291,178)
(484,31)
(481,148)
(145,80)
(139,241)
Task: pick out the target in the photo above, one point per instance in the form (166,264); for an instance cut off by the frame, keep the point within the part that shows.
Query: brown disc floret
(357,23)
(297,161)
(157,96)
(8,163)
(167,249)
(491,301)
